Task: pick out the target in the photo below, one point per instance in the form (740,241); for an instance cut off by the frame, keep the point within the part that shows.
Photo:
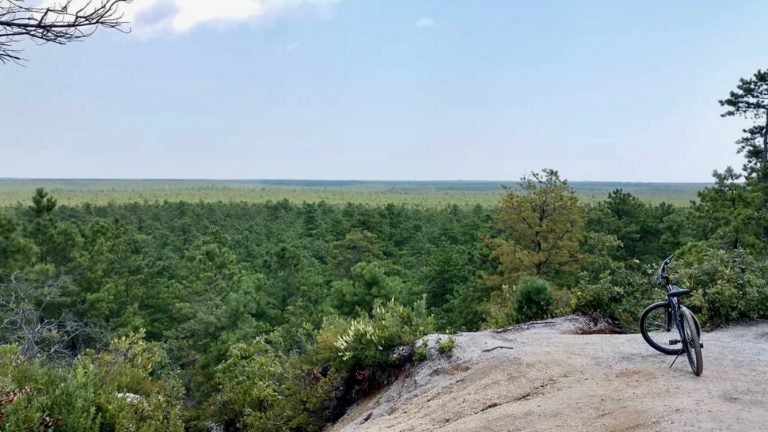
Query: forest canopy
(277,315)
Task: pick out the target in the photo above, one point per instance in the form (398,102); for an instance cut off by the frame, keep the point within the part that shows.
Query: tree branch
(55,23)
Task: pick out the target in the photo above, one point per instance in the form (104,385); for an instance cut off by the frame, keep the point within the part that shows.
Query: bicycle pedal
(674,341)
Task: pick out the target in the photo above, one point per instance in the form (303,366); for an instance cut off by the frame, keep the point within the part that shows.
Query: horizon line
(327,180)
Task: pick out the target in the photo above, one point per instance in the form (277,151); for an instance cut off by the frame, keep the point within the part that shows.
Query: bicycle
(656,324)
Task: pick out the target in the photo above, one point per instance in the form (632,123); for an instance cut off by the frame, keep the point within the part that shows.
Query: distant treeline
(422,193)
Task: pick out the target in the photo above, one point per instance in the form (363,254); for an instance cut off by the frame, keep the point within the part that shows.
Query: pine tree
(750,100)
(541,227)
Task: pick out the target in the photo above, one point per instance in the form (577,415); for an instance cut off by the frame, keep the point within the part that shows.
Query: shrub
(420,353)
(501,308)
(620,292)
(532,299)
(369,340)
(122,388)
(266,386)
(446,346)
(262,389)
(598,298)
(727,285)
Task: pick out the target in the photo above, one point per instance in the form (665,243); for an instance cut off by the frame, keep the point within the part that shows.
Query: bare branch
(60,22)
(25,321)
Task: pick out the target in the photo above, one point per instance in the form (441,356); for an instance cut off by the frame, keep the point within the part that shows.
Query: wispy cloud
(183,15)
(290,46)
(426,23)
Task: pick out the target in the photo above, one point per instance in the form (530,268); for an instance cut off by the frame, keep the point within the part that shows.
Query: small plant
(446,346)
(533,299)
(420,354)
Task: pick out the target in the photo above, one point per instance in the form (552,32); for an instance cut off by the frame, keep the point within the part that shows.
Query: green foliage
(501,307)
(730,213)
(268,309)
(420,353)
(16,252)
(266,385)
(635,224)
(262,389)
(455,277)
(368,340)
(358,246)
(128,387)
(727,285)
(619,292)
(750,100)
(533,299)
(529,300)
(446,346)
(336,193)
(540,229)
(42,203)
(368,283)
(446,273)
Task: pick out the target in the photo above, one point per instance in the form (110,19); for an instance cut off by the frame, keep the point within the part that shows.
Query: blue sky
(395,89)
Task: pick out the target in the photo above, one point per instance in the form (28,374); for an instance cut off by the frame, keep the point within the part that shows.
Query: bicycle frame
(674,302)
(674,307)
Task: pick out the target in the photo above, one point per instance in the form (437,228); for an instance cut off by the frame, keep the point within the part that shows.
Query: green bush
(727,285)
(446,346)
(620,292)
(420,353)
(125,388)
(262,389)
(533,299)
(369,340)
(501,308)
(599,298)
(267,386)
(529,300)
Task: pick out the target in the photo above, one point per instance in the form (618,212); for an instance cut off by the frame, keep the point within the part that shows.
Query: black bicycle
(659,319)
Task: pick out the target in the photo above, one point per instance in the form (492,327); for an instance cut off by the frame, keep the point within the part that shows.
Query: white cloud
(183,15)
(426,23)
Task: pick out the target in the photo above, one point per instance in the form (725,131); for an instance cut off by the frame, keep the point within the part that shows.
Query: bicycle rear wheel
(657,328)
(691,342)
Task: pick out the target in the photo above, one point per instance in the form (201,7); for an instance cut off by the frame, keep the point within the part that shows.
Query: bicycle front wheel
(658,329)
(691,342)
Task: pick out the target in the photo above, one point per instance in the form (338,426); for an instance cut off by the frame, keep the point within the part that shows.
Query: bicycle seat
(678,293)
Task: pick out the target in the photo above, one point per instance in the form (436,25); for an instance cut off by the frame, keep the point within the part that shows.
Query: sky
(388,90)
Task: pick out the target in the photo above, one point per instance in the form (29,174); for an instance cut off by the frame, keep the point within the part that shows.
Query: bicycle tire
(695,321)
(691,344)
(656,325)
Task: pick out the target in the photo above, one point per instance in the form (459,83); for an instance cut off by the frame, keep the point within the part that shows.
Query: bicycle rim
(657,328)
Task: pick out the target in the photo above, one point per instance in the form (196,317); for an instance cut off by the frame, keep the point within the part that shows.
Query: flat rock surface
(544,377)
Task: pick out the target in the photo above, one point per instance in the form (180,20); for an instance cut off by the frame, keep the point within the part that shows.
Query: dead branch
(24,321)
(498,347)
(57,21)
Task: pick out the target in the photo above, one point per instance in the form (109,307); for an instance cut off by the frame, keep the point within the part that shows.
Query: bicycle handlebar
(661,276)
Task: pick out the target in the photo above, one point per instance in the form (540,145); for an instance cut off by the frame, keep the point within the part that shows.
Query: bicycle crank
(677,341)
